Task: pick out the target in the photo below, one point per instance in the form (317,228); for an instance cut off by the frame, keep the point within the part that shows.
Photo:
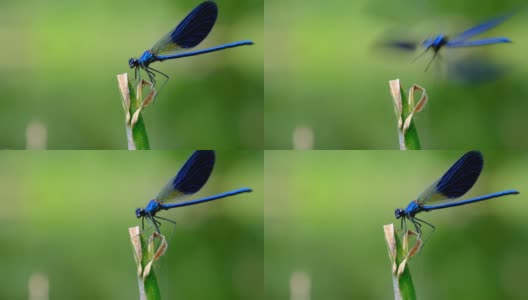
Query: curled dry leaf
(158,252)
(395,89)
(412,107)
(409,253)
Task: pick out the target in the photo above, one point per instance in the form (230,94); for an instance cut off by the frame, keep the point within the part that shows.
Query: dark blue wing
(456,181)
(480,42)
(480,28)
(191,31)
(461,176)
(191,178)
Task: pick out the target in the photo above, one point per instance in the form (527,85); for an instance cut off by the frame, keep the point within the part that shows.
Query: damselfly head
(133,63)
(140,213)
(399,213)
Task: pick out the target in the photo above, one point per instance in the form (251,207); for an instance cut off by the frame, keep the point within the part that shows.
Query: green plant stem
(405,283)
(411,140)
(146,253)
(152,291)
(399,255)
(139,132)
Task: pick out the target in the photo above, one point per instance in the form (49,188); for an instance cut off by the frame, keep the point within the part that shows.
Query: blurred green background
(60,60)
(325,211)
(65,219)
(327,83)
